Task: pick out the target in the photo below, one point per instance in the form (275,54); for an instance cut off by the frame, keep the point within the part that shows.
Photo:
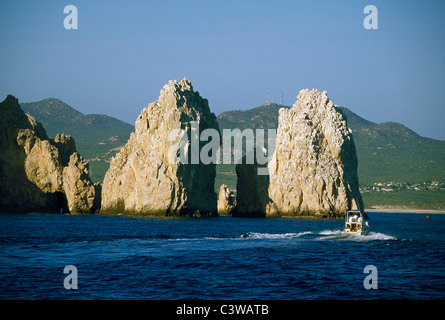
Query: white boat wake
(257,235)
(322,235)
(371,236)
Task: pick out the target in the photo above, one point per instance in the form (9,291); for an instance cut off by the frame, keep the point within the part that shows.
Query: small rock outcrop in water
(144,179)
(39,174)
(314,168)
(79,190)
(226,201)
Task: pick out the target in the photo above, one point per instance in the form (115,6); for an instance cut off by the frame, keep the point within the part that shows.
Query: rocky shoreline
(167,167)
(38,173)
(394,209)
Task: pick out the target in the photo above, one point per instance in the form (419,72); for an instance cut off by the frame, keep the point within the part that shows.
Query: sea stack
(226,201)
(145,177)
(38,174)
(314,168)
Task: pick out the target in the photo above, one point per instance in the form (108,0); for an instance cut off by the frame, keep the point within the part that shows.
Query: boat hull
(355,222)
(359,233)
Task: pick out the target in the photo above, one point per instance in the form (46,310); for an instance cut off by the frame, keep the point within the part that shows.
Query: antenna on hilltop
(281,97)
(267,97)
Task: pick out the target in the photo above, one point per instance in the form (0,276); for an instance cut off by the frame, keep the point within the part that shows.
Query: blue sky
(123,52)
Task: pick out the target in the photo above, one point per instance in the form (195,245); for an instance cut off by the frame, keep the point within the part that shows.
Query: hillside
(263,117)
(98,137)
(390,151)
(386,152)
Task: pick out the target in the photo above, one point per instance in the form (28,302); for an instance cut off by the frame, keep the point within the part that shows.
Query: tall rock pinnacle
(314,168)
(144,179)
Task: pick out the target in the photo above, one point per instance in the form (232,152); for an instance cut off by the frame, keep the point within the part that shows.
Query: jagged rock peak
(314,168)
(143,178)
(66,146)
(32,167)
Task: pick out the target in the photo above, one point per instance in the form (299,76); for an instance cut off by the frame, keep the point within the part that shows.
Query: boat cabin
(355,221)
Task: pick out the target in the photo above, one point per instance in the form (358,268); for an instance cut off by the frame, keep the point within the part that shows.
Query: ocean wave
(371,236)
(374,236)
(257,235)
(322,235)
(330,232)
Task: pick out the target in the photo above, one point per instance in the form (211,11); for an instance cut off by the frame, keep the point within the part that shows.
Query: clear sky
(123,52)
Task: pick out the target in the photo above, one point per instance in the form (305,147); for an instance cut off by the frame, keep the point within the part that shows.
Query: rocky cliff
(226,201)
(146,178)
(314,168)
(36,173)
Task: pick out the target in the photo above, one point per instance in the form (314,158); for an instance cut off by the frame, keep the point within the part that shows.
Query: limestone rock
(144,178)
(80,192)
(314,168)
(66,146)
(42,166)
(32,166)
(226,201)
(252,197)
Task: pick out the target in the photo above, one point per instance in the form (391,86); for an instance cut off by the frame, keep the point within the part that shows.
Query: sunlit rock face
(226,201)
(314,168)
(38,174)
(145,178)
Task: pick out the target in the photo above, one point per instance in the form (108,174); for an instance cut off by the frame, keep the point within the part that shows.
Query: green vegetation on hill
(225,174)
(98,137)
(386,152)
(390,151)
(424,199)
(263,117)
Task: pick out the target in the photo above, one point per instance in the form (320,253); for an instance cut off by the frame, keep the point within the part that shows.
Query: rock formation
(144,178)
(226,201)
(80,192)
(252,197)
(314,168)
(36,173)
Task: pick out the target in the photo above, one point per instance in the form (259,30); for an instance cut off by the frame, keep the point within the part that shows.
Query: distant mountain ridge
(386,152)
(263,117)
(98,137)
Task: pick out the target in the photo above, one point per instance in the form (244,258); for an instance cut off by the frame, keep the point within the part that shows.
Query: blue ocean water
(119,257)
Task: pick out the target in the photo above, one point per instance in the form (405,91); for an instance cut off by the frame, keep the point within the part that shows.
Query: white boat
(355,222)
